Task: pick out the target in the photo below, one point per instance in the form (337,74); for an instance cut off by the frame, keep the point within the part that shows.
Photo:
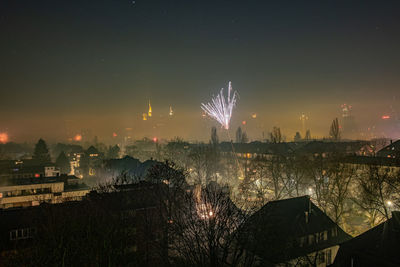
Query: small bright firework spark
(221,108)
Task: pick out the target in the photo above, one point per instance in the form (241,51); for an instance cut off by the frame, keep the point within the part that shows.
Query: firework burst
(220,108)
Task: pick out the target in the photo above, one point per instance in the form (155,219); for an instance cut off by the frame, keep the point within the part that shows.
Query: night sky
(68,66)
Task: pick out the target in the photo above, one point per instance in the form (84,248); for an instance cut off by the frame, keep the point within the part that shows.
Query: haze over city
(190,133)
(95,65)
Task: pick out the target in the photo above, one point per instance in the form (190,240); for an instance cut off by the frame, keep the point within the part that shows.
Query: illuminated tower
(303,119)
(149,113)
(171,112)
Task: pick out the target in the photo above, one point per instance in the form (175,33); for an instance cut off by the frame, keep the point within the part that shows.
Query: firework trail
(220,108)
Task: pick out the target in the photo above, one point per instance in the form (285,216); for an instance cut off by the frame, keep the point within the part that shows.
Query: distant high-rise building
(303,119)
(348,126)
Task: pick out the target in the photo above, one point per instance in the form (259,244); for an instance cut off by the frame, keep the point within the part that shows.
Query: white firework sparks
(221,108)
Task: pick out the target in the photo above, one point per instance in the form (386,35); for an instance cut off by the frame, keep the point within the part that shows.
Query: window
(23,233)
(326,235)
(328,257)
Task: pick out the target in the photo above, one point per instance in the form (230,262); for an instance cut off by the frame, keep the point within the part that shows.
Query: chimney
(391,141)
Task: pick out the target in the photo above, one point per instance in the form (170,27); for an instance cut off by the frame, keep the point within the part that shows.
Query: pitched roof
(260,147)
(331,147)
(278,225)
(379,246)
(92,150)
(395,146)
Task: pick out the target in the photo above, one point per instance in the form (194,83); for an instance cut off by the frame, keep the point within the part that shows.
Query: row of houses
(289,232)
(321,148)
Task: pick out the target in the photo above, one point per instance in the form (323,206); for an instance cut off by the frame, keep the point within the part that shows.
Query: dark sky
(72,65)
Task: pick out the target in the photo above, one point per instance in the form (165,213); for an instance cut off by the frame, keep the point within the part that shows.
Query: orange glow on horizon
(78,137)
(3,138)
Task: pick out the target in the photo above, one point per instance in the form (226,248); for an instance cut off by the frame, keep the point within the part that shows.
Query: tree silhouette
(214,136)
(297,137)
(334,132)
(239,135)
(41,153)
(276,135)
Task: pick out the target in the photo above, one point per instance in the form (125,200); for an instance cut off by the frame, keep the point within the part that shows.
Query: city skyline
(95,65)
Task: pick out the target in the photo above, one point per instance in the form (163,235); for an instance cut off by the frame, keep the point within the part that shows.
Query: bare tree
(239,135)
(297,137)
(295,173)
(214,137)
(204,163)
(340,177)
(277,177)
(379,188)
(206,229)
(276,135)
(256,185)
(177,150)
(330,187)
(266,178)
(334,132)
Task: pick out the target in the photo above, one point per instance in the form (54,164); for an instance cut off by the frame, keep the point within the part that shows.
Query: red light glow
(385,117)
(37,175)
(3,138)
(155,139)
(115,135)
(244,122)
